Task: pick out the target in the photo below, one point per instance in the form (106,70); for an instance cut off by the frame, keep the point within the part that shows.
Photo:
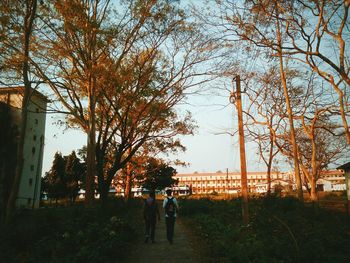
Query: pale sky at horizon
(206,150)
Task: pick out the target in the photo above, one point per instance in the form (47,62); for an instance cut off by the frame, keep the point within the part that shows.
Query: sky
(210,149)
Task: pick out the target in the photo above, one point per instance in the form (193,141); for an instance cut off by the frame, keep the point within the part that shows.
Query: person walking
(170,206)
(150,214)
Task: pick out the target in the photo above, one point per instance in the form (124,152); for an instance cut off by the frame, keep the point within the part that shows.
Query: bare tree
(259,25)
(266,97)
(316,35)
(138,103)
(92,62)
(316,135)
(72,42)
(18,26)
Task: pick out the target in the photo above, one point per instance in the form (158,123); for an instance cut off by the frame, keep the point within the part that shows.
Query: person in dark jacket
(171,207)
(150,215)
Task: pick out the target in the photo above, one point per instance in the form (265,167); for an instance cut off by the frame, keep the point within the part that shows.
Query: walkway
(181,251)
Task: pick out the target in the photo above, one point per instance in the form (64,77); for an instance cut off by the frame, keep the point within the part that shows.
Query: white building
(205,183)
(230,182)
(29,188)
(345,169)
(333,180)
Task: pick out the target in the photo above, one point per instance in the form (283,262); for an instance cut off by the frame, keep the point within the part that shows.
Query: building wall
(333,180)
(345,169)
(203,183)
(29,188)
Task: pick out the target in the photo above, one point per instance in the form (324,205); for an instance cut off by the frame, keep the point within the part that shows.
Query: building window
(33,150)
(37,109)
(30,181)
(32,167)
(36,121)
(34,138)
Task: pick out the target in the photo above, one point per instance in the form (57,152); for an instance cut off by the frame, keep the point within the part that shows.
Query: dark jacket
(150,209)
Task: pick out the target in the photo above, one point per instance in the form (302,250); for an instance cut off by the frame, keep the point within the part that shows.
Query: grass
(70,234)
(280,230)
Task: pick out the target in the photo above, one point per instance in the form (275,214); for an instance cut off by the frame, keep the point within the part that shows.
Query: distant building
(29,189)
(206,183)
(345,169)
(333,180)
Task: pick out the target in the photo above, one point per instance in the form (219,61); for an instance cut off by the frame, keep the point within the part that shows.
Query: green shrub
(72,234)
(280,230)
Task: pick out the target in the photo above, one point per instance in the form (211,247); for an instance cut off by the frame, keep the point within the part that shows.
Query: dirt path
(181,251)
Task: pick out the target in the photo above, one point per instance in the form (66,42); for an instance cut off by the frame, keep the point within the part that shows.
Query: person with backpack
(170,206)
(150,214)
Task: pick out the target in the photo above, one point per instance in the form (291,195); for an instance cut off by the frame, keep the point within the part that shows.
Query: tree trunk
(290,116)
(343,112)
(306,184)
(268,180)
(104,190)
(90,160)
(313,196)
(292,134)
(128,179)
(28,27)
(313,193)
(128,183)
(99,173)
(269,166)
(91,140)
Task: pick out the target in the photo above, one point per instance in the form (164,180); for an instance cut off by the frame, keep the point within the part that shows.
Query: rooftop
(20,90)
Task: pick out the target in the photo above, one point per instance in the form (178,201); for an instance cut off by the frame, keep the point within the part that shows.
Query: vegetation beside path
(207,230)
(280,230)
(71,234)
(113,233)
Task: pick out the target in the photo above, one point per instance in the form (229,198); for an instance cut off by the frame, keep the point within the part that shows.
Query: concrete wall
(29,191)
(29,188)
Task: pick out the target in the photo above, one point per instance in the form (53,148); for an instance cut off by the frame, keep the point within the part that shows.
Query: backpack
(170,207)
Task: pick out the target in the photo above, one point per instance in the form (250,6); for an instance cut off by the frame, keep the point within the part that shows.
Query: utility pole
(235,98)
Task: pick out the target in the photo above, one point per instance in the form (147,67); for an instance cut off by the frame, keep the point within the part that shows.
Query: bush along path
(280,230)
(184,248)
(70,234)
